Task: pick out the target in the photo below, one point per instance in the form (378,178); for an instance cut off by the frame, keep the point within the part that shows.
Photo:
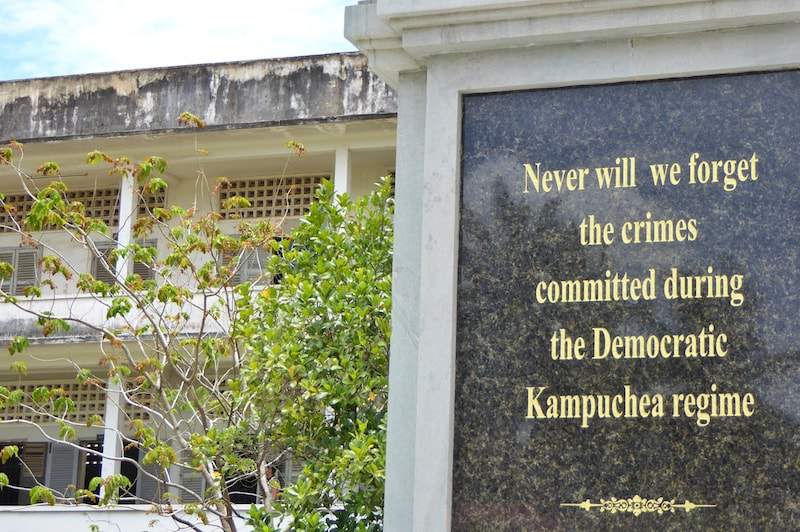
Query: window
(90,465)
(13,470)
(245,490)
(25,262)
(101,273)
(190,479)
(34,455)
(248,490)
(252,264)
(68,469)
(142,269)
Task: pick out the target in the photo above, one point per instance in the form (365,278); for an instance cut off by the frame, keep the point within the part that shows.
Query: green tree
(320,343)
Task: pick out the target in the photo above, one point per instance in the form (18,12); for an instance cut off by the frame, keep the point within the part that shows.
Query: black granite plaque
(536,273)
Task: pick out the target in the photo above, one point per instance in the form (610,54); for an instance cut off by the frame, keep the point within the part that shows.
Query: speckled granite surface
(511,473)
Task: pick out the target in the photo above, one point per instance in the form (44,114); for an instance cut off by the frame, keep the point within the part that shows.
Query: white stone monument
(433,52)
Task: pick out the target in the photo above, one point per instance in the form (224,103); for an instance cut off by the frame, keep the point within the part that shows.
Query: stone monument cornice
(400,36)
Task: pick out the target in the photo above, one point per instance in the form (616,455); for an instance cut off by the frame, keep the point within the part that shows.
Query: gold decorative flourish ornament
(637,505)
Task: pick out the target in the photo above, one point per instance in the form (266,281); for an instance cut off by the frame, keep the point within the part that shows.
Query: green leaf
(188,119)
(6,271)
(3,480)
(17,345)
(119,307)
(163,455)
(94,420)
(15,397)
(83,375)
(8,452)
(95,483)
(86,494)
(160,164)
(156,184)
(66,432)
(40,395)
(236,202)
(97,156)
(32,291)
(19,367)
(41,494)
(49,169)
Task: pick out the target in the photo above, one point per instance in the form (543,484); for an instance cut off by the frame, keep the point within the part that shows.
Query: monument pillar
(487,246)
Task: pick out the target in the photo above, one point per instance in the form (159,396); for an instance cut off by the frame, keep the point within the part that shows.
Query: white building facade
(342,114)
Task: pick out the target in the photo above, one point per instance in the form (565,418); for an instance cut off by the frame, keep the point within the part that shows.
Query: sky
(56,37)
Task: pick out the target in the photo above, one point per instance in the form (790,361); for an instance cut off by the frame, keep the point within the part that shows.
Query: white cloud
(48,37)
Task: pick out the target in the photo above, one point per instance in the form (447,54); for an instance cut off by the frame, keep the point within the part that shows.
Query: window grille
(20,204)
(141,398)
(25,262)
(90,465)
(270,197)
(102,203)
(89,401)
(151,201)
(92,459)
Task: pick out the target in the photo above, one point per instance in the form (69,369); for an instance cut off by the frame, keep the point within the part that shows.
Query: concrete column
(401,432)
(127,215)
(342,170)
(112,444)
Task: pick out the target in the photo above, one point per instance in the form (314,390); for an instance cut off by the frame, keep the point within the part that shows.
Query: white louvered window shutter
(252,265)
(255,264)
(27,270)
(34,455)
(148,488)
(100,272)
(236,278)
(62,468)
(143,270)
(295,468)
(25,262)
(192,480)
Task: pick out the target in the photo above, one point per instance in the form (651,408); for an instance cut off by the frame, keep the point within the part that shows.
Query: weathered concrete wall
(226,95)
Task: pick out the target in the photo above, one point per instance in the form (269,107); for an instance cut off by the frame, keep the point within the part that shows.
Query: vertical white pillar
(402,417)
(342,170)
(127,215)
(112,443)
